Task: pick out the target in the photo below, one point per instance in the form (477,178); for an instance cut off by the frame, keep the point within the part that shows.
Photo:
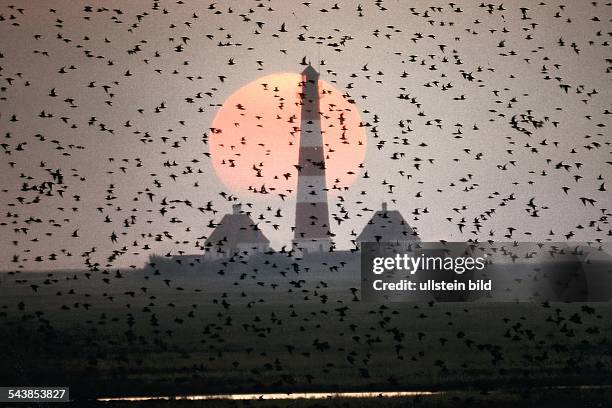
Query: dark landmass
(235,327)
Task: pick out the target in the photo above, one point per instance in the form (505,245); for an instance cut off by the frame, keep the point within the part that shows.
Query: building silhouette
(387,226)
(312,231)
(236,234)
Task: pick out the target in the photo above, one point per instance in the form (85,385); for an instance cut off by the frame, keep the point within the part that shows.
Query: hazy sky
(526,85)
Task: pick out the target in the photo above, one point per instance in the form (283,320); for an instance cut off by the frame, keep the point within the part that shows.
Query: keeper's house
(387,226)
(236,235)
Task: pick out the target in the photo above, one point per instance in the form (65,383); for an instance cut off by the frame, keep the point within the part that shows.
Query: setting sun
(254,142)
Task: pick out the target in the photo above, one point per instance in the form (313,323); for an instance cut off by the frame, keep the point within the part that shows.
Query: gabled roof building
(387,226)
(236,234)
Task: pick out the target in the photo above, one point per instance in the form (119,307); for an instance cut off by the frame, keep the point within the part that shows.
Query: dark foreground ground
(232,328)
(564,398)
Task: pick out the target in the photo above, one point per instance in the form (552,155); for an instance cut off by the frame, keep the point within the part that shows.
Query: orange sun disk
(254,143)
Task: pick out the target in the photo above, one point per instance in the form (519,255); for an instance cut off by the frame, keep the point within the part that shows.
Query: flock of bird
(484,122)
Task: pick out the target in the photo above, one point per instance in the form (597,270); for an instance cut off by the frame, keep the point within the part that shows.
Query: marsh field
(230,327)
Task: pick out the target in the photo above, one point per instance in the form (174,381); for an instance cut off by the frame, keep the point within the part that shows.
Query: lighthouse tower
(312,233)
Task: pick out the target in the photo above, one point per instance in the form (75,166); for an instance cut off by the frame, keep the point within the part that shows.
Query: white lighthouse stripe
(311,189)
(306,197)
(310,135)
(307,141)
(311,182)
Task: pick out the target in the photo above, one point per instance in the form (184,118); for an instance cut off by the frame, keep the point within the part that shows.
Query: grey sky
(511,65)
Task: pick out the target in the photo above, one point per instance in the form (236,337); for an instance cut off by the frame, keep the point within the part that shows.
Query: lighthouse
(312,233)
